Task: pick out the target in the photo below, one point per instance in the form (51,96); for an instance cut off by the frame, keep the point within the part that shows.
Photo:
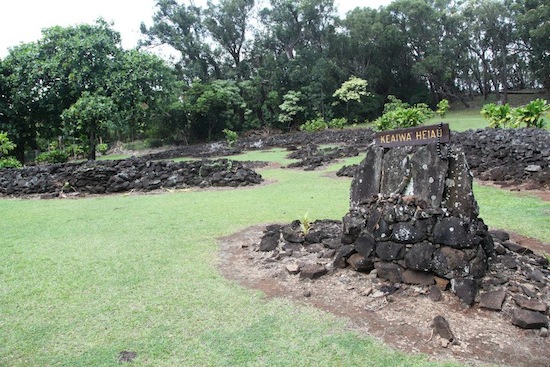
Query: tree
(228,22)
(212,107)
(533,22)
(351,90)
(20,97)
(290,108)
(142,86)
(87,118)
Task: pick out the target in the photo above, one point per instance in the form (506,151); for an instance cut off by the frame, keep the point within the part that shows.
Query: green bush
(53,156)
(9,162)
(317,124)
(6,145)
(532,114)
(499,115)
(503,116)
(396,115)
(442,108)
(337,123)
(102,148)
(75,150)
(231,137)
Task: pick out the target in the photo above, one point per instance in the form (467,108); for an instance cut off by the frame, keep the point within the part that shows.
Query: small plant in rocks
(305,223)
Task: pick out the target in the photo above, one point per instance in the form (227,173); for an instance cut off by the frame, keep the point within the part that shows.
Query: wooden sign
(413,136)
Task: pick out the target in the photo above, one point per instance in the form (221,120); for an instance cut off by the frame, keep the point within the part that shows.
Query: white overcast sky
(23,20)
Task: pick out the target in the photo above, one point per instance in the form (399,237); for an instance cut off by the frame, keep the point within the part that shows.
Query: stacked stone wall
(104,177)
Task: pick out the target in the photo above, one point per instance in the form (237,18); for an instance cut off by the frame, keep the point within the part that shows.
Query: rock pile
(511,156)
(100,177)
(516,283)
(413,220)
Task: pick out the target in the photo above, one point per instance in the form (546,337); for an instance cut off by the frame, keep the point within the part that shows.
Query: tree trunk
(19,151)
(91,153)
(504,76)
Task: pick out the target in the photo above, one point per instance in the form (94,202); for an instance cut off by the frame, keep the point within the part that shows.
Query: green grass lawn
(83,280)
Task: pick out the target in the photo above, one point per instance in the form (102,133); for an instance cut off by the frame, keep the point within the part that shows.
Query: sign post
(413,136)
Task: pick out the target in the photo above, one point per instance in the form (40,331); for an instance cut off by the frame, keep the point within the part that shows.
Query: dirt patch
(401,319)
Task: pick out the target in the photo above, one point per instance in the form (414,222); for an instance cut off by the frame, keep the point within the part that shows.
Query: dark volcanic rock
(405,232)
(269,241)
(365,245)
(340,259)
(389,251)
(389,271)
(419,256)
(465,289)
(529,319)
(452,232)
(360,263)
(492,300)
(313,271)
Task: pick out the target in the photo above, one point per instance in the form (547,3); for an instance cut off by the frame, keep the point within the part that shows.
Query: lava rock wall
(101,177)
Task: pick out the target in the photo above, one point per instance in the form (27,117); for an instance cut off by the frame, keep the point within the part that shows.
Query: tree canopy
(243,64)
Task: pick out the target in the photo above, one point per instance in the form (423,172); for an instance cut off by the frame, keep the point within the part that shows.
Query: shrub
(442,108)
(53,156)
(503,116)
(337,123)
(231,137)
(398,116)
(102,148)
(9,162)
(499,115)
(75,150)
(532,114)
(317,124)
(6,145)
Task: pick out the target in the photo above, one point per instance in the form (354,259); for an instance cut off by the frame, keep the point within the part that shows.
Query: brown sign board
(413,136)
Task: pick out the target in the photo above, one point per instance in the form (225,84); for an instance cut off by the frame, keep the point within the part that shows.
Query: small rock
(417,277)
(269,241)
(442,328)
(313,271)
(533,168)
(315,248)
(293,268)
(544,332)
(465,289)
(492,300)
(444,342)
(367,291)
(389,271)
(529,290)
(499,235)
(530,304)
(537,276)
(512,246)
(306,294)
(360,263)
(441,283)
(526,319)
(435,294)
(378,294)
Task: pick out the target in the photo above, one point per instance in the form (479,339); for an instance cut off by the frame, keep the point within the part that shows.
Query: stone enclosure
(103,177)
